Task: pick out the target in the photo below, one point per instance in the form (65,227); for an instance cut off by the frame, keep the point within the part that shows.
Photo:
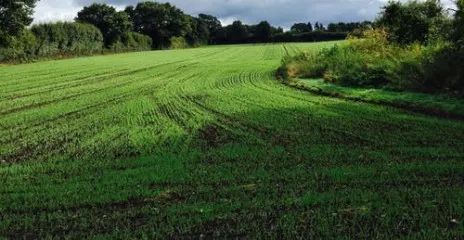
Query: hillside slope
(205,142)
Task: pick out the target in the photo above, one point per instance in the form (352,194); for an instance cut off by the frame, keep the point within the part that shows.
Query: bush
(19,48)
(53,39)
(457,35)
(138,41)
(132,41)
(375,62)
(305,65)
(178,43)
(67,39)
(444,70)
(361,62)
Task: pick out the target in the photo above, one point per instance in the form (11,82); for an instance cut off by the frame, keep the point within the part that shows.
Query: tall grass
(373,61)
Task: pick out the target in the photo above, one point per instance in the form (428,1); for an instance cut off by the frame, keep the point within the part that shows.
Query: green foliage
(199,33)
(301,27)
(350,64)
(237,32)
(111,23)
(213,24)
(444,69)
(65,38)
(348,27)
(14,17)
(414,54)
(262,32)
(131,41)
(373,61)
(413,21)
(137,41)
(178,43)
(160,21)
(315,36)
(19,48)
(458,25)
(319,27)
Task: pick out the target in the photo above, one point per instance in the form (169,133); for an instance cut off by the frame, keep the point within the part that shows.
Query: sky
(278,12)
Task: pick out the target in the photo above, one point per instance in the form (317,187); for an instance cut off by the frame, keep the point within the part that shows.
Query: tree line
(166,25)
(147,25)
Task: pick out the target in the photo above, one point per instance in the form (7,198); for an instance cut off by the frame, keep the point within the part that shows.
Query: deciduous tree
(112,24)
(15,15)
(301,28)
(412,21)
(160,21)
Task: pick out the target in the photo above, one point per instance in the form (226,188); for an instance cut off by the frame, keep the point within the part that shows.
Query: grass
(206,143)
(431,104)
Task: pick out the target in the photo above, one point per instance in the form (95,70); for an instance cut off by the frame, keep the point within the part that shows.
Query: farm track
(190,142)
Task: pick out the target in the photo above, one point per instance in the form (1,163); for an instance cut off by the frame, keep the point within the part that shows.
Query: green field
(206,143)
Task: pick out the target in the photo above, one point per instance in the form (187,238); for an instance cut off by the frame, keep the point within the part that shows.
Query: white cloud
(277,12)
(55,10)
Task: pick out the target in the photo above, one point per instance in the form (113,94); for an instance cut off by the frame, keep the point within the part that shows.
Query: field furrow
(206,142)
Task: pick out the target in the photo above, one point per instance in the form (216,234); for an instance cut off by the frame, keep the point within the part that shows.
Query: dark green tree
(112,24)
(160,21)
(347,27)
(412,21)
(199,32)
(130,10)
(237,32)
(332,27)
(278,30)
(263,31)
(310,26)
(319,27)
(458,24)
(301,28)
(14,17)
(214,27)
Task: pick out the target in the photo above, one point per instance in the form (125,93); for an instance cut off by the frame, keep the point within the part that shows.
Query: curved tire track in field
(163,93)
(228,134)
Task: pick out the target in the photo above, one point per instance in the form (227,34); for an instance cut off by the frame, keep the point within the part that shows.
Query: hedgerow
(373,61)
(66,39)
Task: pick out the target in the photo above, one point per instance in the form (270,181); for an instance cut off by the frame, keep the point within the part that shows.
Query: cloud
(278,12)
(55,10)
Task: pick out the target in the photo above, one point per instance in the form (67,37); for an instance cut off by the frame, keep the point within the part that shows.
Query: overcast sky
(278,12)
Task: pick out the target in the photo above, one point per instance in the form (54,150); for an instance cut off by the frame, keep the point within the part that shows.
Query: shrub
(374,61)
(303,65)
(139,41)
(19,48)
(457,35)
(51,39)
(178,43)
(444,70)
(351,67)
(67,39)
(361,62)
(132,41)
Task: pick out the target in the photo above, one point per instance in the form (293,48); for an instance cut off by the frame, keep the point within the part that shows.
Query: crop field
(207,143)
